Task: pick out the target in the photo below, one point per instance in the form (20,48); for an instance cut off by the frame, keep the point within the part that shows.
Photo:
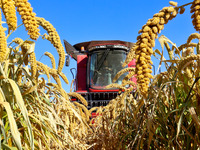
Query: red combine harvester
(97,64)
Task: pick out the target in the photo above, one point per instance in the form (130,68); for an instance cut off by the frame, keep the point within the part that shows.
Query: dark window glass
(104,65)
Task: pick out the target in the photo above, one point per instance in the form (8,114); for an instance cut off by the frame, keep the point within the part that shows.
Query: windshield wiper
(102,59)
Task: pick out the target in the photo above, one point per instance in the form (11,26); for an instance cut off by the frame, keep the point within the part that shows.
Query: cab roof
(91,44)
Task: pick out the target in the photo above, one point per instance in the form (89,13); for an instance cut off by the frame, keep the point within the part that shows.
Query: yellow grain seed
(144,50)
(51,58)
(173,3)
(149,66)
(150,62)
(153,36)
(145,35)
(152,43)
(141,76)
(142,59)
(142,54)
(79,97)
(146,29)
(160,27)
(148,75)
(170,9)
(150,50)
(196,7)
(155,21)
(162,21)
(28,17)
(167,16)
(148,23)
(197,2)
(155,29)
(149,44)
(195,14)
(139,72)
(174,13)
(138,66)
(143,45)
(144,67)
(140,31)
(145,40)
(8,8)
(146,79)
(148,70)
(160,14)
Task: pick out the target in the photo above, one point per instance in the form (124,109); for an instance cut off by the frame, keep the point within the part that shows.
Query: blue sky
(84,20)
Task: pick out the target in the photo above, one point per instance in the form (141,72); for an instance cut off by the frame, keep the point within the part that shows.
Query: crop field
(37,113)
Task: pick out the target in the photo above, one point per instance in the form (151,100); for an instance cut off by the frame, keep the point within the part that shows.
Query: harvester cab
(97,64)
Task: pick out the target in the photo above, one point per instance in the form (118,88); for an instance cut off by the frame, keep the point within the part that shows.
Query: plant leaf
(179,125)
(7,147)
(20,102)
(13,126)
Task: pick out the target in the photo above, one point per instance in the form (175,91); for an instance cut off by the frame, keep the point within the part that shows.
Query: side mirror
(67,61)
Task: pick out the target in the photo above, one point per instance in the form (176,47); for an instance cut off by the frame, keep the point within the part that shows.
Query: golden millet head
(3,43)
(25,47)
(54,38)
(195,8)
(142,50)
(28,17)
(8,8)
(52,59)
(33,64)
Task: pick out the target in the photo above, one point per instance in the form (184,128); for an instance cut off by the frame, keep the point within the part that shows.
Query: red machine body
(97,64)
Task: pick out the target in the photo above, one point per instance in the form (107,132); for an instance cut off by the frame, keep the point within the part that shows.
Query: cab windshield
(104,65)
